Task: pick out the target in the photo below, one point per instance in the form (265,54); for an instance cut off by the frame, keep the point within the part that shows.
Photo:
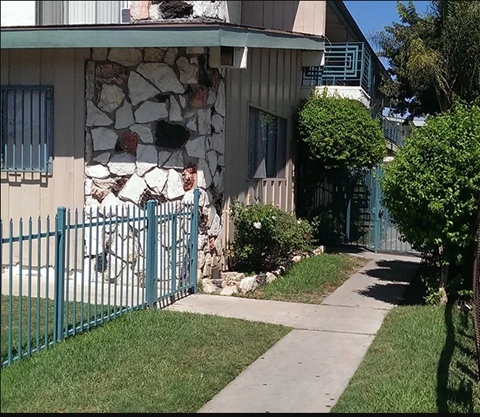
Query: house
(113,103)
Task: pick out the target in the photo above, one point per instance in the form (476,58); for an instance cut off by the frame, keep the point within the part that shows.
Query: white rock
(104,139)
(125,249)
(111,98)
(212,97)
(99,54)
(88,186)
(111,202)
(140,89)
(94,243)
(125,56)
(91,207)
(103,158)
(175,161)
(175,111)
(207,269)
(229,291)
(163,157)
(196,148)
(270,277)
(96,117)
(204,177)
(133,190)
(204,121)
(151,111)
(218,181)
(192,125)
(189,197)
(188,72)
(248,284)
(162,76)
(208,287)
(156,179)
(122,164)
(147,158)
(201,259)
(144,132)
(218,142)
(97,171)
(212,161)
(296,259)
(153,54)
(221,161)
(217,123)
(174,187)
(124,116)
(210,212)
(220,102)
(319,251)
(171,56)
(183,101)
(202,241)
(216,226)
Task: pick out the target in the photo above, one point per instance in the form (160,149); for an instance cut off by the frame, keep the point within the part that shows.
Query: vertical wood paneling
(270,82)
(37,194)
(297,16)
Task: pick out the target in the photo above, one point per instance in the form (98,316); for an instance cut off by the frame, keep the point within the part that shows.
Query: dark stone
(118,186)
(262,279)
(147,196)
(170,136)
(188,177)
(175,9)
(198,100)
(101,263)
(129,142)
(99,194)
(111,74)
(204,77)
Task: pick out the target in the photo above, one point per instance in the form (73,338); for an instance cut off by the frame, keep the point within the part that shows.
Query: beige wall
(271,83)
(25,195)
(296,16)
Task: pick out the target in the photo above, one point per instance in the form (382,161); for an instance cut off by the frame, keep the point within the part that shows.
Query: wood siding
(296,16)
(27,194)
(271,82)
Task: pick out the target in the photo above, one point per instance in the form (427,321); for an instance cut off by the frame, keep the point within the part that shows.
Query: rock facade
(148,136)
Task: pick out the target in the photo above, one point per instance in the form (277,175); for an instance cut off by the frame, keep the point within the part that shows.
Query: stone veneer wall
(154,130)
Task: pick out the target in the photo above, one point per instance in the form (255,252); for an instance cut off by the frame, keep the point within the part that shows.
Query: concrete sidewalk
(308,370)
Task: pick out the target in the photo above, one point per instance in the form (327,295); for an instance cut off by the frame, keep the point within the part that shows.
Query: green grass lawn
(311,280)
(422,360)
(41,318)
(145,361)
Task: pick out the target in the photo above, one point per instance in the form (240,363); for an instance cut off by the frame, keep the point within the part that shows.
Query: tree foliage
(433,59)
(432,188)
(339,133)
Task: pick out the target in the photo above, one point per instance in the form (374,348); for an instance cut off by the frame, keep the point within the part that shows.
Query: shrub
(432,188)
(266,237)
(339,133)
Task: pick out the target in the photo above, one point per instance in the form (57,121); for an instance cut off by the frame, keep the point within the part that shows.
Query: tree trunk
(443,284)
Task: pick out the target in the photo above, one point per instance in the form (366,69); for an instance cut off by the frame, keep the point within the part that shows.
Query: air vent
(125,16)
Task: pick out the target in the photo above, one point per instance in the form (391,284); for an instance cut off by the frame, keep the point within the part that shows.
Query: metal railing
(346,64)
(64,276)
(393,133)
(27,128)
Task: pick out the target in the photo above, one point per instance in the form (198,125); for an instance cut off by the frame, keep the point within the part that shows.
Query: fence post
(59,291)
(151,254)
(194,241)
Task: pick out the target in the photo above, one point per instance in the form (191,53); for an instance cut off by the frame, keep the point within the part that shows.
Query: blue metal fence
(65,275)
(27,128)
(346,64)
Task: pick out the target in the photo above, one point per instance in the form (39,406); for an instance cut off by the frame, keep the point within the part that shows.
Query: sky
(373,16)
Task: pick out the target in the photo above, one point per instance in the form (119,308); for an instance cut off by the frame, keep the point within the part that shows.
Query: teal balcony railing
(346,64)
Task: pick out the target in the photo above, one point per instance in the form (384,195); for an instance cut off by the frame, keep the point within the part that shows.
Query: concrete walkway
(308,370)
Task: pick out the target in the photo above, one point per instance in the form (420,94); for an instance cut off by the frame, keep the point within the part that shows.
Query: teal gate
(380,233)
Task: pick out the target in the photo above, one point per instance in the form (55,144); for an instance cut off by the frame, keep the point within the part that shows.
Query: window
(267,145)
(27,128)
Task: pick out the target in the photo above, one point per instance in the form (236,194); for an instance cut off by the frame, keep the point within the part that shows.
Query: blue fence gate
(65,275)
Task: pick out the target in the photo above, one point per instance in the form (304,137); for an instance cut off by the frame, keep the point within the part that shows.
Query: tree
(433,59)
(432,188)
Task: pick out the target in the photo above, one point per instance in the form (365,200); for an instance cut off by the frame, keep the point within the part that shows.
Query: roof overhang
(155,35)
